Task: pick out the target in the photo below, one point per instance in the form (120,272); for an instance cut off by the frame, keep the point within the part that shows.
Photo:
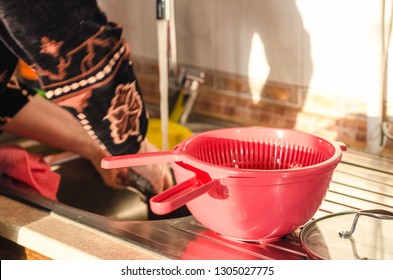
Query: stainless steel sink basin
(82,187)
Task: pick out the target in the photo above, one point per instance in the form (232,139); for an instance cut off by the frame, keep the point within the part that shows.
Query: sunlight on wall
(347,54)
(345,45)
(258,68)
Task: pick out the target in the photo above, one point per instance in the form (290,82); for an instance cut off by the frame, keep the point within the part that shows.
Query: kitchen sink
(82,187)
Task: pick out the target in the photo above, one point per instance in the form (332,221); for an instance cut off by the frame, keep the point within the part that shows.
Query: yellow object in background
(178,109)
(176,133)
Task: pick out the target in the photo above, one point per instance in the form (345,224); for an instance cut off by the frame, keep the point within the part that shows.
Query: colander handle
(174,197)
(143,159)
(179,195)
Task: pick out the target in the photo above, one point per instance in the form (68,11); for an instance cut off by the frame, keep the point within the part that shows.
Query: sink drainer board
(285,248)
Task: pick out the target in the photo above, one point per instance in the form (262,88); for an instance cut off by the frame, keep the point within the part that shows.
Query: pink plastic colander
(247,183)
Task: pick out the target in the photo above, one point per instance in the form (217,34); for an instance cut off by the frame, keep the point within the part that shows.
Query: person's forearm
(50,124)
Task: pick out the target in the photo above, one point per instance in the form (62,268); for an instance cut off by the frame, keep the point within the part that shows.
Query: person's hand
(159,175)
(113,178)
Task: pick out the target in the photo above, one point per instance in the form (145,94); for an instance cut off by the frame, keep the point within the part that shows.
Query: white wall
(330,45)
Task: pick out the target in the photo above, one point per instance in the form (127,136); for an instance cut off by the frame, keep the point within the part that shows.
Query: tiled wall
(312,65)
(226,97)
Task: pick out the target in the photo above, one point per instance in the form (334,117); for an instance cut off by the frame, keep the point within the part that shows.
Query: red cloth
(30,169)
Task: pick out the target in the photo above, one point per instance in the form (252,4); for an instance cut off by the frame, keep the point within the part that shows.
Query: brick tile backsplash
(226,97)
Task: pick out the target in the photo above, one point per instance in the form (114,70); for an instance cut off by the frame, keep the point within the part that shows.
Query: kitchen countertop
(361,181)
(58,237)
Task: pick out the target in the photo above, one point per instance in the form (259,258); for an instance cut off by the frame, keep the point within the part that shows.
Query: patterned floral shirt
(83,65)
